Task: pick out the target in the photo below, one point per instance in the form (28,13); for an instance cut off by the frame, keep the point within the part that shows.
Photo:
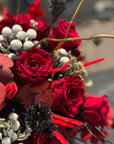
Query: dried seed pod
(16,44)
(31,34)
(6,32)
(27,44)
(16,28)
(6,140)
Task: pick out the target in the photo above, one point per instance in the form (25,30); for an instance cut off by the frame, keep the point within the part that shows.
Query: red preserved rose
(33,65)
(59,32)
(69,95)
(96,110)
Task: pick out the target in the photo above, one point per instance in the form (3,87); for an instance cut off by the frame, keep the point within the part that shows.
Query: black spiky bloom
(38,117)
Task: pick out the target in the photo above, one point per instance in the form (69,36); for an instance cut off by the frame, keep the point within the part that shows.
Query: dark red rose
(33,65)
(59,33)
(40,138)
(69,95)
(34,10)
(9,22)
(96,110)
(24,21)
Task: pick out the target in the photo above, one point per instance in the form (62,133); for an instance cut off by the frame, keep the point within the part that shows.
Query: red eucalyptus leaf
(2,93)
(5,75)
(5,61)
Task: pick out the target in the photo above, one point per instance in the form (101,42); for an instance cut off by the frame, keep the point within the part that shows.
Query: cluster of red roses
(66,96)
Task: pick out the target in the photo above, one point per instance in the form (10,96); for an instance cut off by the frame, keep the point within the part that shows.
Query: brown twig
(69,25)
(73,39)
(18,6)
(94,21)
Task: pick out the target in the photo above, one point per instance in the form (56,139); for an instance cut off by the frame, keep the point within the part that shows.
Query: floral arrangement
(42,83)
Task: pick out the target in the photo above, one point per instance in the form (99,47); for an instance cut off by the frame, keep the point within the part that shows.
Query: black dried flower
(38,117)
(57,7)
(13,105)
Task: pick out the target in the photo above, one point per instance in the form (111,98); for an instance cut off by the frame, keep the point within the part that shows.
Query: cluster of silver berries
(61,57)
(16,39)
(9,133)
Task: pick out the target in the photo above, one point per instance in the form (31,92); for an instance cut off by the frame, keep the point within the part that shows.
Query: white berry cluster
(61,57)
(13,126)
(16,39)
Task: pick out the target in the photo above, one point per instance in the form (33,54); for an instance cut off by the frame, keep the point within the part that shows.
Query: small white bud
(13,116)
(35,42)
(14,136)
(16,44)
(27,44)
(64,60)
(12,56)
(31,34)
(16,125)
(6,32)
(10,132)
(36,23)
(16,28)
(6,140)
(1,38)
(62,51)
(32,22)
(21,35)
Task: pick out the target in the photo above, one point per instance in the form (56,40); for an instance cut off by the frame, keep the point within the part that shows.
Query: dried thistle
(57,7)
